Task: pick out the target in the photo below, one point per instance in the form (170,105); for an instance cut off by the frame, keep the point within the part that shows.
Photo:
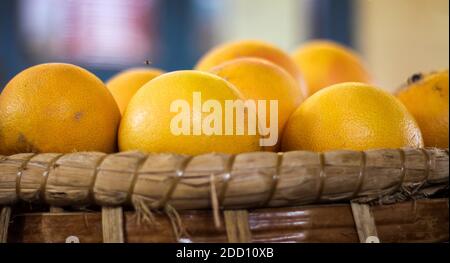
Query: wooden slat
(56,209)
(5,217)
(112,225)
(238,229)
(412,221)
(365,223)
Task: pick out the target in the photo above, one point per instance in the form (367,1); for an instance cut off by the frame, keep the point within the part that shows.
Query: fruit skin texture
(247,48)
(351,116)
(259,79)
(146,123)
(427,100)
(57,108)
(125,84)
(324,63)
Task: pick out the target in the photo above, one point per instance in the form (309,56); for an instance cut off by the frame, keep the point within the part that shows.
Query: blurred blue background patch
(107,36)
(395,38)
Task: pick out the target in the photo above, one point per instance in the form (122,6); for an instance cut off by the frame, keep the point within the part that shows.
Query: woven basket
(251,197)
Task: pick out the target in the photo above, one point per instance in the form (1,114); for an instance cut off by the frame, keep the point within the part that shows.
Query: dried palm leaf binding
(248,180)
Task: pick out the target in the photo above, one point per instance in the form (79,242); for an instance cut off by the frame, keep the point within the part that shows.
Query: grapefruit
(351,116)
(247,48)
(259,79)
(426,97)
(57,108)
(324,63)
(153,121)
(125,84)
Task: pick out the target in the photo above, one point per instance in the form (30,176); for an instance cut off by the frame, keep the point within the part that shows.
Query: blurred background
(395,38)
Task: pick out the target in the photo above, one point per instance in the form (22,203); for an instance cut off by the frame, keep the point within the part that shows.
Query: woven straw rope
(226,176)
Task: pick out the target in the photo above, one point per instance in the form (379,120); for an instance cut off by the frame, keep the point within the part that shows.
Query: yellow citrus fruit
(426,97)
(352,116)
(247,48)
(151,115)
(57,108)
(324,63)
(259,79)
(125,84)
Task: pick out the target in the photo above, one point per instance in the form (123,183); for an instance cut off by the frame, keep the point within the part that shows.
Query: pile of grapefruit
(320,98)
